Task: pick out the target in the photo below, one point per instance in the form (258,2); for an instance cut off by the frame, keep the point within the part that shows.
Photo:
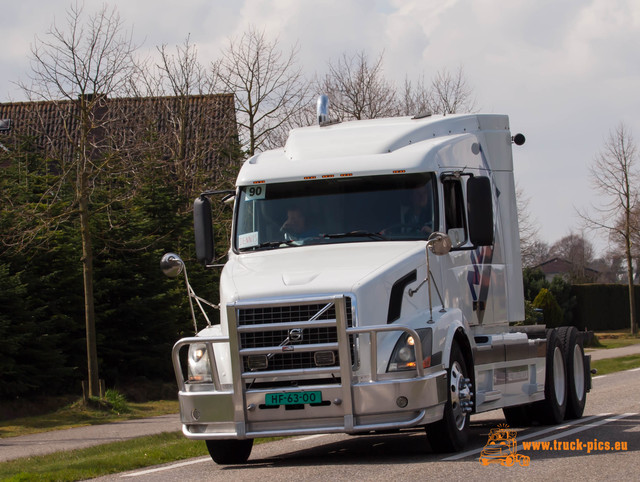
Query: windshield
(374,208)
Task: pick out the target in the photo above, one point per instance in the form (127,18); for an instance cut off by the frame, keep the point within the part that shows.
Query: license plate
(293,398)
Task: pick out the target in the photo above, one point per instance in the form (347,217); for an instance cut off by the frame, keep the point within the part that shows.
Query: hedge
(603,306)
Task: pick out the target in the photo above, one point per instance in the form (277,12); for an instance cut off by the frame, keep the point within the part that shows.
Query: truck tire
(452,432)
(551,410)
(573,348)
(230,452)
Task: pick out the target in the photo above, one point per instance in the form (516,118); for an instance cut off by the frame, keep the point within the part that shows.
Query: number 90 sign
(255,192)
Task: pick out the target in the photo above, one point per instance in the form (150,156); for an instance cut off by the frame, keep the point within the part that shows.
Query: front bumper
(380,402)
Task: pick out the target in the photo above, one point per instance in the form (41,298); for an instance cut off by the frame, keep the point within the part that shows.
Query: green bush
(118,401)
(533,281)
(563,293)
(553,316)
(532,316)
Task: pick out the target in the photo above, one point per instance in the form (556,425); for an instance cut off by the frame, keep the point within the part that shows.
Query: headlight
(199,366)
(404,355)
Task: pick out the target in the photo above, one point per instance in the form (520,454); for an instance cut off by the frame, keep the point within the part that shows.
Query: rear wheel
(452,432)
(552,409)
(230,452)
(572,346)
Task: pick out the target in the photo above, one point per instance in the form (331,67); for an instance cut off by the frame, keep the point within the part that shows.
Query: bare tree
(450,93)
(530,245)
(181,73)
(614,174)
(414,98)
(358,89)
(195,160)
(77,65)
(268,85)
(179,77)
(579,252)
(634,221)
(610,267)
(537,252)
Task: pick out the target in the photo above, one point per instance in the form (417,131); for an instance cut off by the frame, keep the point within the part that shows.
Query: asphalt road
(612,415)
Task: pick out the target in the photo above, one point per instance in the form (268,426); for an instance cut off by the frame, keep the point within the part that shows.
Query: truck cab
(373,283)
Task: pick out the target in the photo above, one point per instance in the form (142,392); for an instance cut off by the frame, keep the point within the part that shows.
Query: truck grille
(297,315)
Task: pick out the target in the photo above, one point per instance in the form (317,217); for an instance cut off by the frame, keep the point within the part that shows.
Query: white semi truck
(373,283)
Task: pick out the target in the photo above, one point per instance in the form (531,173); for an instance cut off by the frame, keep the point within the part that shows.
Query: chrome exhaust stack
(322,109)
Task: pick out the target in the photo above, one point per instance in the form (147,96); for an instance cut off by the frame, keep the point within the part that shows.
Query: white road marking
(197,461)
(585,427)
(311,437)
(167,467)
(528,436)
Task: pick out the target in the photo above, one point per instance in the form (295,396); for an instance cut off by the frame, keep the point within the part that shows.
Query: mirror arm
(414,291)
(445,243)
(172,265)
(191,293)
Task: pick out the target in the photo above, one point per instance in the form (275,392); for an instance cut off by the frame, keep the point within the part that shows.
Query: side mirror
(203,229)
(480,210)
(439,243)
(171,265)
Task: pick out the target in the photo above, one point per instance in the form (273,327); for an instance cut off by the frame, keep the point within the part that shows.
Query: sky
(566,72)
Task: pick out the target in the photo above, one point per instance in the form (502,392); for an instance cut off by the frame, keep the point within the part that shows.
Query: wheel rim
(578,372)
(460,395)
(559,382)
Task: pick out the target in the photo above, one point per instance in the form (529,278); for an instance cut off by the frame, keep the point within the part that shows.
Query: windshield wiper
(271,244)
(356,234)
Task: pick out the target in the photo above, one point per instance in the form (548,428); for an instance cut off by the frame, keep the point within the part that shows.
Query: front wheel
(230,452)
(452,432)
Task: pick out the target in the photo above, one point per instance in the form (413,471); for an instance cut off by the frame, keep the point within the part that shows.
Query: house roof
(560,266)
(190,127)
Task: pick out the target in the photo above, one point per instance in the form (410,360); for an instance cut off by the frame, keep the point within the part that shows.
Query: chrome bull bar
(238,416)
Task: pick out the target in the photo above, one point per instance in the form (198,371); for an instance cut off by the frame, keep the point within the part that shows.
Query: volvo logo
(295,335)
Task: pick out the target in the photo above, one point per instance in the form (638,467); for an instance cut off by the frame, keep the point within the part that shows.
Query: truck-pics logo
(502,448)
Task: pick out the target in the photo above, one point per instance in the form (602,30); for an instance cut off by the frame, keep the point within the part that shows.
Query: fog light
(324,358)
(402,402)
(257,362)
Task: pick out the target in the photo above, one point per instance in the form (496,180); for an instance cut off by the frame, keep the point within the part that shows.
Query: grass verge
(103,459)
(615,339)
(611,365)
(78,414)
(107,459)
